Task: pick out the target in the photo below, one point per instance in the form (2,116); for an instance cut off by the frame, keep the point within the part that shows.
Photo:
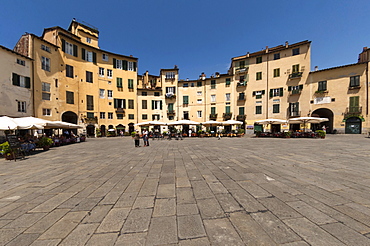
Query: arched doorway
(70,117)
(353,125)
(323,113)
(131,128)
(90,131)
(120,128)
(103,130)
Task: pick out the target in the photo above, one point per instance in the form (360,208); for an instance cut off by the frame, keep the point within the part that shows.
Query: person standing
(137,138)
(146,137)
(190,131)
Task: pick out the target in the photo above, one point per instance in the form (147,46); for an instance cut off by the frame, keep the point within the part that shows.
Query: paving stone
(51,242)
(25,220)
(149,187)
(311,233)
(132,239)
(87,204)
(144,202)
(253,189)
(46,222)
(126,200)
(97,214)
(111,198)
(221,232)
(217,187)
(105,239)
(185,195)
(311,213)
(354,214)
(166,191)
(23,239)
(182,182)
(162,231)
(249,203)
(298,243)
(79,235)
(195,242)
(164,207)
(114,220)
(201,190)
(210,209)
(190,226)
(138,221)
(187,209)
(279,208)
(6,235)
(52,203)
(346,235)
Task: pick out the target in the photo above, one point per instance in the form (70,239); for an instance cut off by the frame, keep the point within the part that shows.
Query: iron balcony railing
(295,75)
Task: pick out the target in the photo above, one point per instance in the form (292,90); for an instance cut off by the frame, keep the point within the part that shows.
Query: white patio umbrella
(183,122)
(37,122)
(232,122)
(212,123)
(7,123)
(66,125)
(271,121)
(304,120)
(150,123)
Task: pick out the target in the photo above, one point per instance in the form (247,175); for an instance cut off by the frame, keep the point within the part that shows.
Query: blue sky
(200,35)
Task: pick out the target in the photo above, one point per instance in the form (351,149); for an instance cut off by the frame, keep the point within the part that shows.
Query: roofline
(271,50)
(331,68)
(33,35)
(14,52)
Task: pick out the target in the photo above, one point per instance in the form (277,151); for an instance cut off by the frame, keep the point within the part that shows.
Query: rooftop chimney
(316,68)
(267,49)
(286,44)
(247,54)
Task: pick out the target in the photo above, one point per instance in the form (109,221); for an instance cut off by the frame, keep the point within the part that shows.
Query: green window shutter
(263,92)
(281,91)
(75,50)
(160,105)
(289,88)
(153,102)
(28,82)
(135,66)
(115,103)
(227,109)
(16,79)
(83,53)
(94,57)
(124,103)
(114,62)
(170,107)
(301,87)
(63,45)
(124,64)
(213,110)
(185,99)
(271,93)
(253,93)
(119,82)
(228,81)
(241,110)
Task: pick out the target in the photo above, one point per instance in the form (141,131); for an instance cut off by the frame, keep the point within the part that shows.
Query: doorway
(353,125)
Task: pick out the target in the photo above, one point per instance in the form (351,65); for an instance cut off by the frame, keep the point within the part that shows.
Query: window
(259,59)
(170,108)
(258,94)
(110,94)
(144,93)
(228,81)
(109,73)
(295,89)
(90,115)
(56,83)
(242,64)
(45,91)
(241,96)
(322,86)
(130,104)
(88,56)
(199,101)
(199,84)
(46,112)
(144,104)
(130,83)
(22,106)
(213,110)
(258,109)
(241,79)
(213,84)
(185,85)
(117,64)
(258,75)
(354,104)
(102,115)
(156,94)
(170,75)
(294,109)
(227,96)
(101,72)
(101,93)
(276,108)
(21,62)
(156,117)
(295,51)
(278,92)
(185,100)
(119,83)
(354,81)
(89,77)
(170,90)
(46,48)
(70,97)
(277,56)
(130,66)
(69,71)
(295,68)
(45,63)
(199,93)
(89,102)
(276,72)
(105,57)
(21,81)
(227,109)
(144,116)
(119,116)
(213,98)
(241,110)
(69,48)
(119,103)
(186,115)
(192,84)
(156,104)
(88,40)
(199,114)
(110,116)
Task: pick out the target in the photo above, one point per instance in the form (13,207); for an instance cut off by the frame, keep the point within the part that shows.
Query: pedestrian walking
(137,138)
(146,137)
(190,132)
(121,133)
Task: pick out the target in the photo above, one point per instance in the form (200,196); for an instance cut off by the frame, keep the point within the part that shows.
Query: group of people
(145,134)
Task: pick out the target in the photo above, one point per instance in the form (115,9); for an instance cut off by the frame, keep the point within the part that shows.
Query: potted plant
(321,133)
(287,134)
(45,143)
(258,133)
(201,134)
(6,151)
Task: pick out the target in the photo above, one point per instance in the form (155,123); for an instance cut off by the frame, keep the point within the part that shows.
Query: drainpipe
(267,85)
(33,77)
(367,88)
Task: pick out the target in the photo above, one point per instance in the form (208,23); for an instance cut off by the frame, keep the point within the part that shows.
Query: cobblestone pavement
(240,191)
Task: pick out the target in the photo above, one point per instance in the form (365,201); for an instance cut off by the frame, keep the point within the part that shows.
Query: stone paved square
(196,191)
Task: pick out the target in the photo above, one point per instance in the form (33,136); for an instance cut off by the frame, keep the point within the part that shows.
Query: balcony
(213,116)
(242,70)
(170,95)
(295,75)
(241,98)
(295,92)
(241,117)
(227,116)
(241,83)
(356,110)
(120,110)
(171,112)
(294,114)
